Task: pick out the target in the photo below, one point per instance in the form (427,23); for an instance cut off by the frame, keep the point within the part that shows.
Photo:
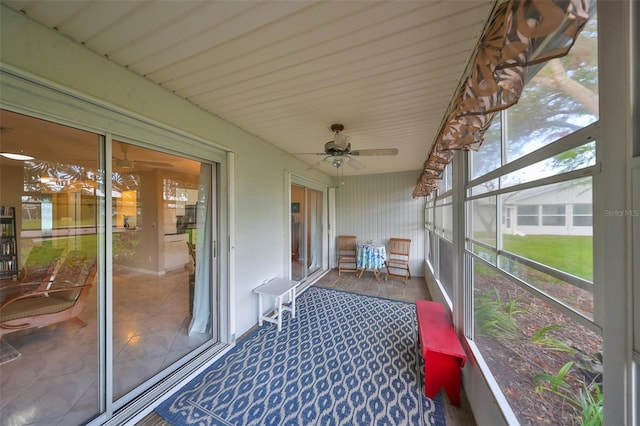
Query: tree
(559,99)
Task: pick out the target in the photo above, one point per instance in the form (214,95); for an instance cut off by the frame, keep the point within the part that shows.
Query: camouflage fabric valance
(522,33)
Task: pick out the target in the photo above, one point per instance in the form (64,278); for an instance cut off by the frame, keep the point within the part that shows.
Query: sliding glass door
(160,209)
(307,246)
(109,275)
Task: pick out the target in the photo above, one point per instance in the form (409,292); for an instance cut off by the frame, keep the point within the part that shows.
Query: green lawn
(84,243)
(36,224)
(572,254)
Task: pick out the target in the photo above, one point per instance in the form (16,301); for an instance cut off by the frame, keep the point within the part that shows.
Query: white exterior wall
(567,196)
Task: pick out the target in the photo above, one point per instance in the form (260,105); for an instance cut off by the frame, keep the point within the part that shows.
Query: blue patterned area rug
(346,359)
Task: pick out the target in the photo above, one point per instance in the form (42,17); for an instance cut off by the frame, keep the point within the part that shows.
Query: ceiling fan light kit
(337,162)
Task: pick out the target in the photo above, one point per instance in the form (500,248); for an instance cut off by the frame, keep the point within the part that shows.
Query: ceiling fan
(338,151)
(125,163)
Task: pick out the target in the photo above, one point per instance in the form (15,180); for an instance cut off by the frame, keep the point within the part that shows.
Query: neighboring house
(562,209)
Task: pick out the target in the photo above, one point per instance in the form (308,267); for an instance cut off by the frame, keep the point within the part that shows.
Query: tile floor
(54,380)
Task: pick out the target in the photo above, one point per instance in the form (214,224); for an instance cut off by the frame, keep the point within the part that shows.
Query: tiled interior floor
(415,288)
(54,380)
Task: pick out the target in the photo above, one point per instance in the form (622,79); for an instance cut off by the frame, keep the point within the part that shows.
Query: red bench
(441,350)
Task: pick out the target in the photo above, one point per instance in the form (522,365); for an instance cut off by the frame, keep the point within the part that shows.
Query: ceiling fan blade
(123,163)
(355,164)
(375,152)
(153,163)
(308,153)
(316,164)
(127,163)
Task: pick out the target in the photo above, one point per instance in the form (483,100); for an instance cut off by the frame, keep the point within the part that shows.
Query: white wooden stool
(278,288)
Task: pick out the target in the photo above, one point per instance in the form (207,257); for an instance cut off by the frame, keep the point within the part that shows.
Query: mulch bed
(515,361)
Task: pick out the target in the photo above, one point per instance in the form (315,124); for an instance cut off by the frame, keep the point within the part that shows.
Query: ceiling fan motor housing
(330,148)
(335,128)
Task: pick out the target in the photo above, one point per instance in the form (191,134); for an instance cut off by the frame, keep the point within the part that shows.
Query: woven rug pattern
(345,359)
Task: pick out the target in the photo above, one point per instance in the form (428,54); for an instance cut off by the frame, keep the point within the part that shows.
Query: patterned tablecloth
(371,256)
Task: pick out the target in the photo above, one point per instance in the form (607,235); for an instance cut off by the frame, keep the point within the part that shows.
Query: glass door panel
(52,205)
(297,233)
(161,224)
(314,230)
(306,231)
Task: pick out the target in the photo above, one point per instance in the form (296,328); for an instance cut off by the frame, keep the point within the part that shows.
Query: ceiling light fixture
(338,161)
(14,156)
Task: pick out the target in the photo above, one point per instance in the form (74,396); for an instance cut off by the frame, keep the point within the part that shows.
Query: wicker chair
(61,300)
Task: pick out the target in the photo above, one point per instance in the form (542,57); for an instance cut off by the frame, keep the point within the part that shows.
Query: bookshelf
(8,242)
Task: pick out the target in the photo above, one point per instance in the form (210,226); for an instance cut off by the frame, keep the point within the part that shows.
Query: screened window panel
(483,220)
(567,107)
(489,156)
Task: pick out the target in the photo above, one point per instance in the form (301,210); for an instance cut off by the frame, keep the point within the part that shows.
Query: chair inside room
(61,300)
(347,254)
(397,263)
(37,272)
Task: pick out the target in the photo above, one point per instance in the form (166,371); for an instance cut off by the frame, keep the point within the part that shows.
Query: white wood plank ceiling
(286,70)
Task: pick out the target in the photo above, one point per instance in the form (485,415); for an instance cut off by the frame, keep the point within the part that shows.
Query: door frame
(293,179)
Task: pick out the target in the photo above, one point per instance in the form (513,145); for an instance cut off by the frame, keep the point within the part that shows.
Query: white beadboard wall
(379,207)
